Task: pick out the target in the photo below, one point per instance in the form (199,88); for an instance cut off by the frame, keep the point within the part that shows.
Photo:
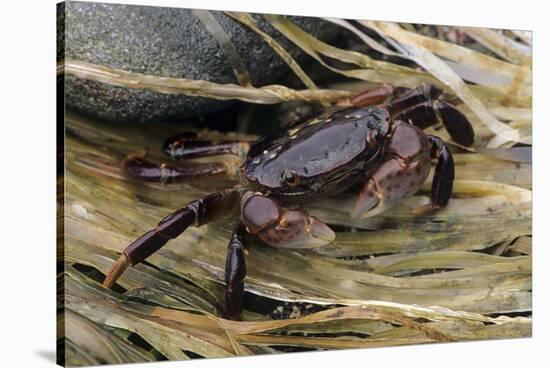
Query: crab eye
(291,178)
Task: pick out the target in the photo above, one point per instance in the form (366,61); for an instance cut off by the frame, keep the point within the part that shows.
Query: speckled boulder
(166,42)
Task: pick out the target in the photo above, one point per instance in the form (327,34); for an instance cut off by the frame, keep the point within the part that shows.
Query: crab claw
(296,229)
(368,199)
(390,185)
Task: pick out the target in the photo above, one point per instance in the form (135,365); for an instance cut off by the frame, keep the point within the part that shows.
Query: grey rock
(168,42)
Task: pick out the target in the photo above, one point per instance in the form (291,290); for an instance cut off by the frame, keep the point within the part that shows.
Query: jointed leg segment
(442,184)
(197,213)
(421,106)
(235,272)
(186,145)
(141,169)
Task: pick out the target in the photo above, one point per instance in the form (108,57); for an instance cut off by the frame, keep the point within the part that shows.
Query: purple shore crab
(373,139)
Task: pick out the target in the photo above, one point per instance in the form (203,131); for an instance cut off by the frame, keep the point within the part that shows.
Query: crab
(373,140)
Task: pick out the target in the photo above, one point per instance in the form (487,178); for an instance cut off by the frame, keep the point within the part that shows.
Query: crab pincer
(282,227)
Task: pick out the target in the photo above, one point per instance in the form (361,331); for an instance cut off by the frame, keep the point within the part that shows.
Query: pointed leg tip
(464,139)
(116,271)
(359,213)
(425,209)
(355,213)
(320,231)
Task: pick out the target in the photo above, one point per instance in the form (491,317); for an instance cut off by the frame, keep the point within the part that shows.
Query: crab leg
(139,168)
(430,113)
(282,227)
(235,272)
(421,106)
(401,101)
(185,145)
(442,185)
(198,212)
(369,97)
